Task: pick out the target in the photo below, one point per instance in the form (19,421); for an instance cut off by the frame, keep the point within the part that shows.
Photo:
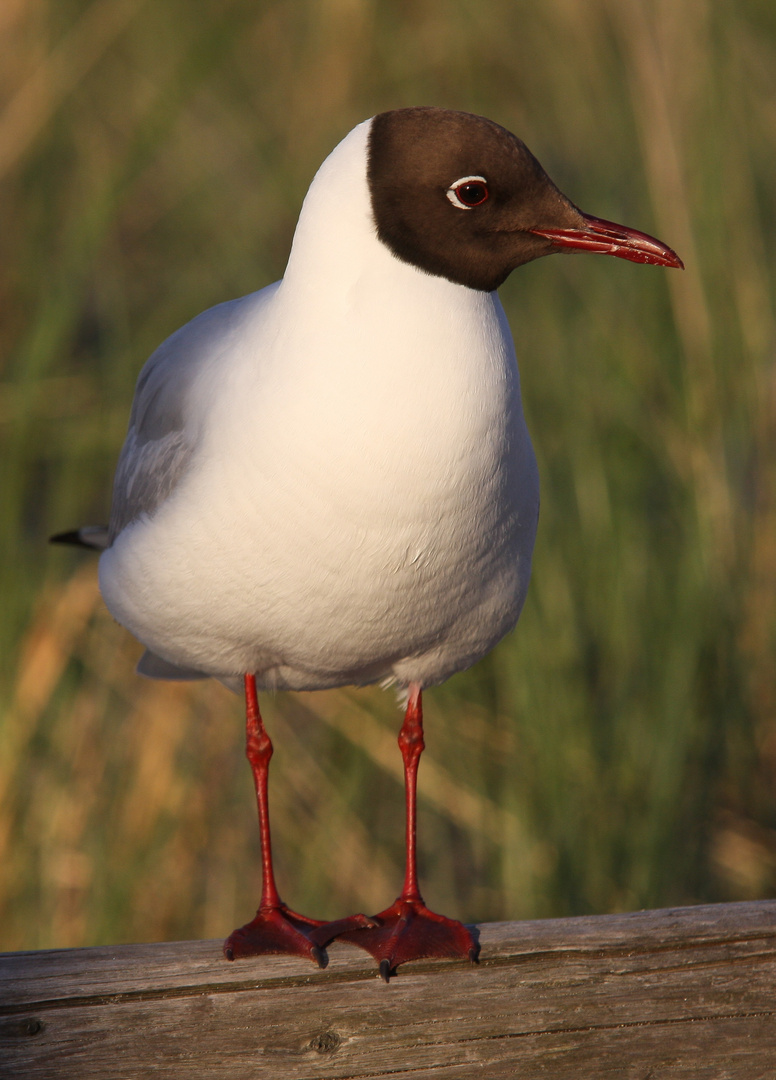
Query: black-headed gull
(330,481)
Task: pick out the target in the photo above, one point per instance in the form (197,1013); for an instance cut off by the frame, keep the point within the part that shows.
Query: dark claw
(319,956)
(474,954)
(229,954)
(385,970)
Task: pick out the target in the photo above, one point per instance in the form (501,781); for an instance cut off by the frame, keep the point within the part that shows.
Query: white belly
(353,519)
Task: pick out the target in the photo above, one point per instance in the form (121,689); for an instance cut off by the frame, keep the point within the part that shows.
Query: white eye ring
(452,192)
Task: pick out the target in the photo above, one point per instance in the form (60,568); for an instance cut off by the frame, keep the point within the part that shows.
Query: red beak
(608,238)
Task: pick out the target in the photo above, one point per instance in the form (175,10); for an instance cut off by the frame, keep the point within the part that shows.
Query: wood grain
(688,992)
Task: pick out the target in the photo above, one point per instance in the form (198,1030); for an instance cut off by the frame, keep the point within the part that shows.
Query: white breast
(362,501)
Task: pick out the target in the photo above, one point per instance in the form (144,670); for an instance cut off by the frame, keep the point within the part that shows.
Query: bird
(330,481)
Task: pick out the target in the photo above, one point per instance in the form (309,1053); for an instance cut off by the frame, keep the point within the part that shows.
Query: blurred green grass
(619,750)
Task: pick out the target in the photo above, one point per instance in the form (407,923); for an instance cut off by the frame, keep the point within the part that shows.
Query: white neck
(336,255)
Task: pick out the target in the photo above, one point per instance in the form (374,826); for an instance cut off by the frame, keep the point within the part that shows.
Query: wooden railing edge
(693,981)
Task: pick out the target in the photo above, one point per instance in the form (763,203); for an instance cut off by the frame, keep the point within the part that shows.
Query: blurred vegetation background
(619,749)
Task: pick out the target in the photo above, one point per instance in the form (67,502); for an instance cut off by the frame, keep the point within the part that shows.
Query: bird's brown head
(461,197)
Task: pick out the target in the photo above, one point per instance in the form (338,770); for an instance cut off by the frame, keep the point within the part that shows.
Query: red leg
(407,930)
(275,928)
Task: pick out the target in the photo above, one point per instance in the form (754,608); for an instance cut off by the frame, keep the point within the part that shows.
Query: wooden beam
(686,992)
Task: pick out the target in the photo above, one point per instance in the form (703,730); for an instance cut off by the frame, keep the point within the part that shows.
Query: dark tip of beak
(608,238)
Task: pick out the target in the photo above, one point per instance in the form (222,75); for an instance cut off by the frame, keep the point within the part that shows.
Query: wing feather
(163,436)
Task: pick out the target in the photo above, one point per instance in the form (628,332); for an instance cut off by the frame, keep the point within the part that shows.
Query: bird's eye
(468,192)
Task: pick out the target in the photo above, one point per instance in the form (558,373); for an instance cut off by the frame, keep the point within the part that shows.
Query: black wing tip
(72,536)
(91,537)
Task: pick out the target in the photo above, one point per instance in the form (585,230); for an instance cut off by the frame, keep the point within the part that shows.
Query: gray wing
(162,438)
(153,667)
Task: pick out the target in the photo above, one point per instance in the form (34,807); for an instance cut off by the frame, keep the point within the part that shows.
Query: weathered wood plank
(678,993)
